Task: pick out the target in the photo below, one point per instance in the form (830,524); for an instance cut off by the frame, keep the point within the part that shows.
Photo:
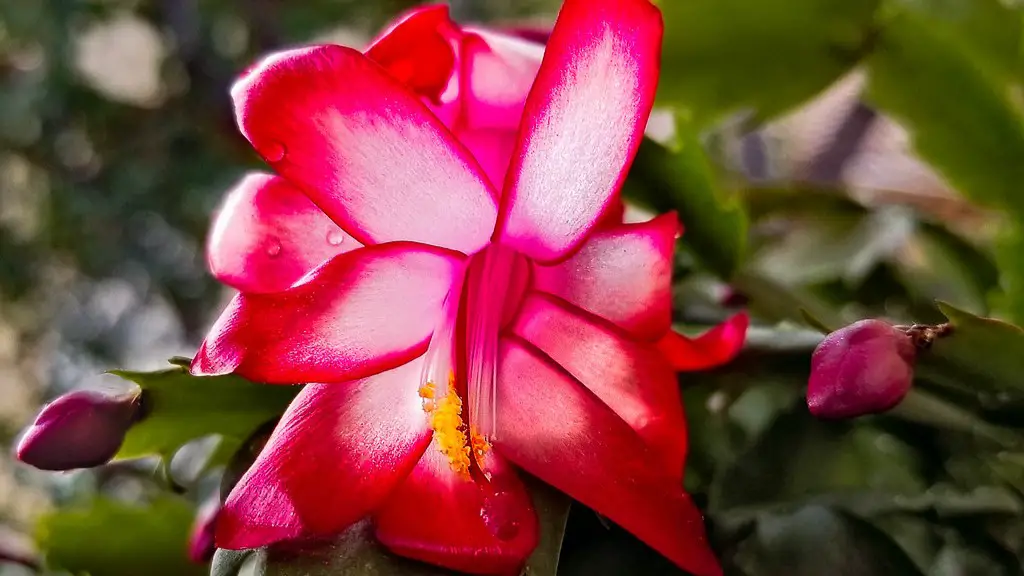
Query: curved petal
(622,274)
(364,149)
(360,313)
(715,347)
(582,124)
(452,520)
(499,71)
(268,234)
(555,429)
(632,378)
(338,452)
(417,50)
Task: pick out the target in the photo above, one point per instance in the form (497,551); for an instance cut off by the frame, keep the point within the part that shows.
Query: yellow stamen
(446,420)
(480,445)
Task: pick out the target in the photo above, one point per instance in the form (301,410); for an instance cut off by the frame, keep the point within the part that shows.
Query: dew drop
(273,151)
(335,237)
(274,250)
(500,514)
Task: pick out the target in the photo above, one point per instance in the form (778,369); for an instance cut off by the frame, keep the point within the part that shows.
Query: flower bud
(863,368)
(80,429)
(201,544)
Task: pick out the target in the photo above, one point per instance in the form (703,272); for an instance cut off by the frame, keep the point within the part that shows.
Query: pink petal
(623,274)
(364,149)
(268,234)
(715,347)
(555,429)
(338,452)
(418,51)
(492,148)
(499,71)
(448,519)
(360,313)
(632,378)
(582,124)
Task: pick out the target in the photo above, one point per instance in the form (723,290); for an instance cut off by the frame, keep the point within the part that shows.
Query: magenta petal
(631,377)
(450,519)
(555,429)
(365,149)
(713,348)
(361,312)
(623,274)
(582,124)
(499,72)
(864,368)
(338,452)
(492,148)
(417,51)
(79,429)
(268,234)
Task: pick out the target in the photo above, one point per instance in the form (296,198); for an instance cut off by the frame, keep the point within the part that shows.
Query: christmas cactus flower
(441,256)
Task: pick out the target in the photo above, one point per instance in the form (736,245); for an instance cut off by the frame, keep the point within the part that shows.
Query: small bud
(201,545)
(80,429)
(863,368)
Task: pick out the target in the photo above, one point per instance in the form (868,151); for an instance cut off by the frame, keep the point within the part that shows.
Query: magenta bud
(864,368)
(80,429)
(201,544)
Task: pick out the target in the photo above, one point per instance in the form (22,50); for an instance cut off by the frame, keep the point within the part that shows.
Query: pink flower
(442,254)
(863,368)
(80,429)
(201,536)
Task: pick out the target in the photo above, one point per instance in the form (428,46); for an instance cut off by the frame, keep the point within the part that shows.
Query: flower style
(442,255)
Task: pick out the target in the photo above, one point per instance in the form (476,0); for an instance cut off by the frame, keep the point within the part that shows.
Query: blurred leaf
(982,354)
(843,246)
(230,562)
(819,458)
(959,113)
(721,56)
(931,410)
(108,538)
(181,407)
(681,178)
(1009,246)
(814,323)
(817,541)
(939,265)
(989,31)
(552,509)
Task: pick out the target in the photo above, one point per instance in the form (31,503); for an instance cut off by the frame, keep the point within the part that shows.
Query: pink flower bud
(201,544)
(80,429)
(863,368)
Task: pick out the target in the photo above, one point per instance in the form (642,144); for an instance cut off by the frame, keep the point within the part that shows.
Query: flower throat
(462,358)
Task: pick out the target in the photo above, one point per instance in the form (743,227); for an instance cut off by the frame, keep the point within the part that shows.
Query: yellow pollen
(446,420)
(480,446)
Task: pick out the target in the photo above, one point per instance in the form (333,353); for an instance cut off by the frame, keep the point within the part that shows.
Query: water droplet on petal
(500,513)
(273,151)
(274,250)
(335,237)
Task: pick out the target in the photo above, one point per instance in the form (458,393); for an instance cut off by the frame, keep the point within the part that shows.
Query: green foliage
(816,540)
(957,356)
(722,56)
(109,538)
(958,110)
(681,178)
(181,408)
